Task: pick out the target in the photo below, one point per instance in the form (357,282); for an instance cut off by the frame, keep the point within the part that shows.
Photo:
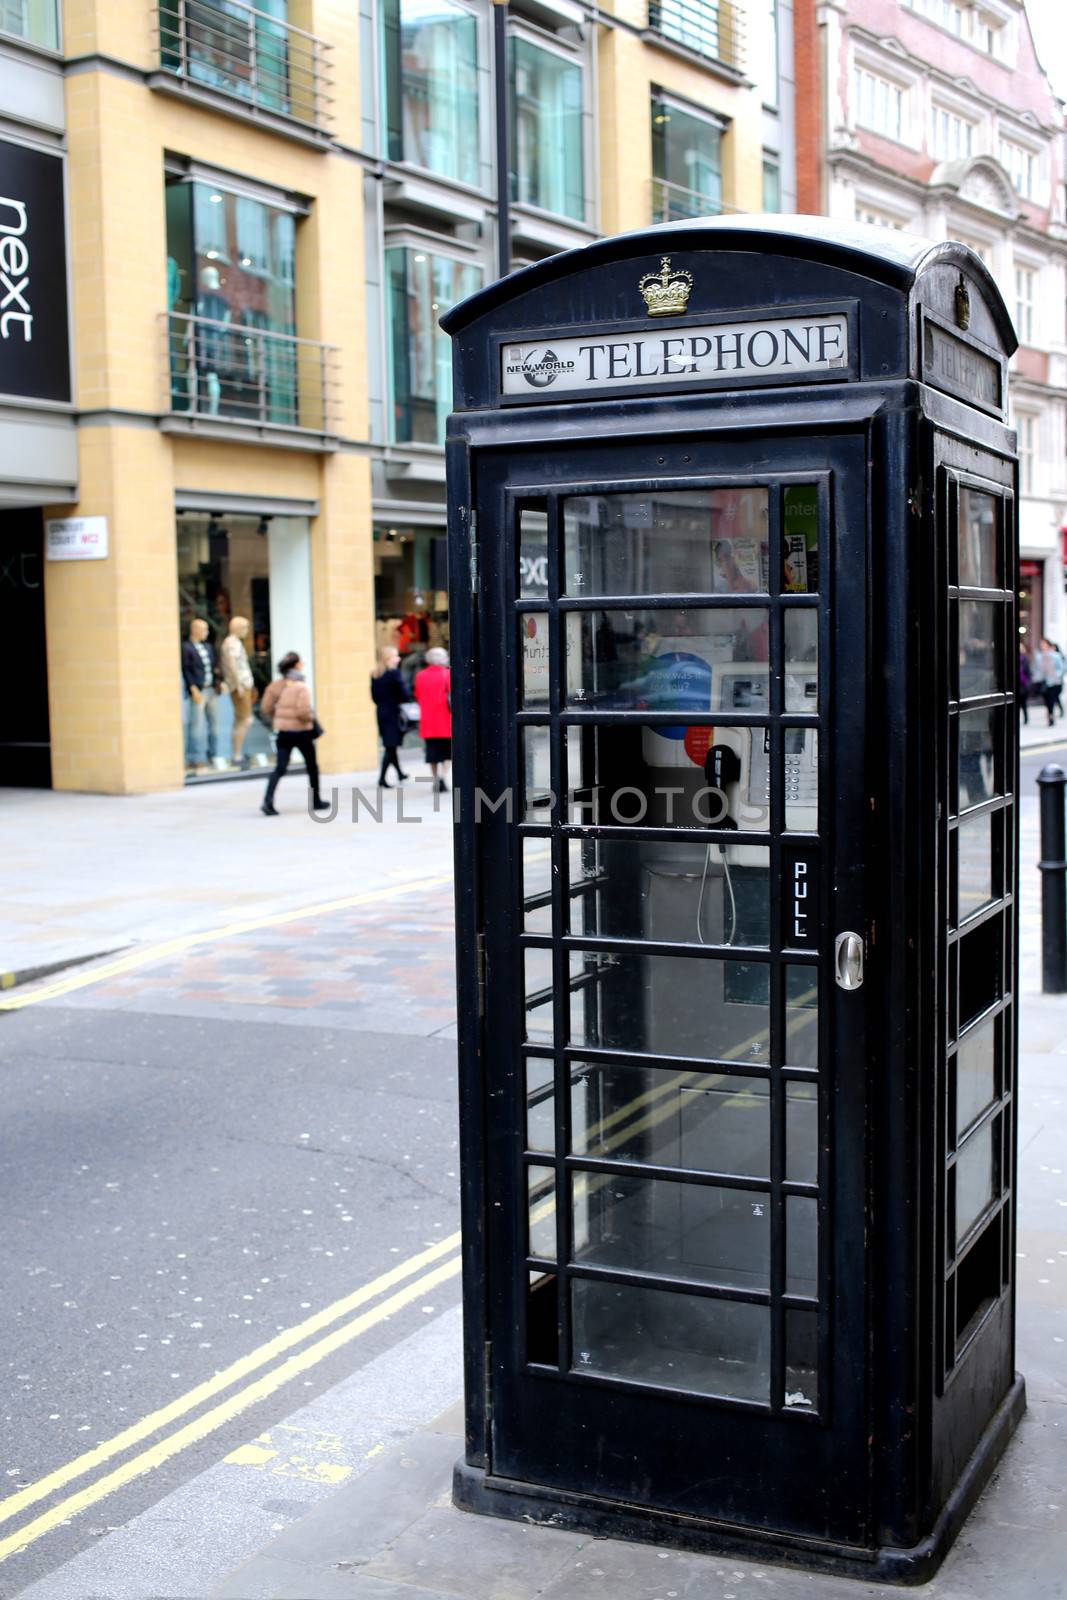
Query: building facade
(936,117)
(228,436)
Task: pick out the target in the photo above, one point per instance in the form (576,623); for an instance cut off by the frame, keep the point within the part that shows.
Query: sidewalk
(86,875)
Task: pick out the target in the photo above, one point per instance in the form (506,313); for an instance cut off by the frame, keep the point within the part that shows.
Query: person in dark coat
(389,692)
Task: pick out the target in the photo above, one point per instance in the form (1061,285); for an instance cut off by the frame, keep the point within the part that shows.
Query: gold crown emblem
(666,292)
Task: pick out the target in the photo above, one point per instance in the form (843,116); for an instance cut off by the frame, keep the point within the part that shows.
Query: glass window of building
(231,298)
(420,286)
(36,21)
(244,599)
(1025,296)
(431,86)
(951,136)
(880,104)
(244,50)
(1026,424)
(546,129)
(772,184)
(1021,165)
(686,163)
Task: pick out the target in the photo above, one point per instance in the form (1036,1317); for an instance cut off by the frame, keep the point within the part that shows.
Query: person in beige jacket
(288,701)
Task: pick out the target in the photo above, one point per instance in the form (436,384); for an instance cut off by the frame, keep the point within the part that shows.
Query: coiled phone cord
(729,890)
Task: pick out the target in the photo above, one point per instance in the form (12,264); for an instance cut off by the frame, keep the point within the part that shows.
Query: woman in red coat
(432,690)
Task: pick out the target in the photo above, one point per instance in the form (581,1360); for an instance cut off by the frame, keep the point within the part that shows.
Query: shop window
(546,130)
(431,86)
(686,162)
(244,594)
(35,21)
(410,592)
(420,287)
(231,298)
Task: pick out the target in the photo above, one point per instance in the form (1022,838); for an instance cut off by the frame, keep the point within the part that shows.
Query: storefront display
(410,593)
(248,579)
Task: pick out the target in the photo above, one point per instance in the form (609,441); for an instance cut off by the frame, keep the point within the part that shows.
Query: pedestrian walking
(389,693)
(288,701)
(1049,670)
(433,691)
(1025,681)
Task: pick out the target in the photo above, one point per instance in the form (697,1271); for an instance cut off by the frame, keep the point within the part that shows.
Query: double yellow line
(430,1268)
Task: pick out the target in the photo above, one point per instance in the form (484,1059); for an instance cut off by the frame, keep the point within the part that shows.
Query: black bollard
(1053,865)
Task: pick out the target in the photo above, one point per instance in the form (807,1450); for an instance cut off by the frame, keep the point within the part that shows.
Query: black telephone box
(733,546)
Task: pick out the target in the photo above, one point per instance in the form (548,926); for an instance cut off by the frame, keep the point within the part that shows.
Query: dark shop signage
(34,333)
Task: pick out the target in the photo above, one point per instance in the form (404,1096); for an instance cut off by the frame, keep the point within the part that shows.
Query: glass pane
(801,1246)
(979,553)
(533,553)
(633,775)
(537,797)
(980,626)
(672,1005)
(700,1121)
(974,841)
(684,893)
(674,541)
(801,1133)
(977,734)
(686,148)
(675,1341)
(691,1231)
(537,965)
(546,130)
(802,1360)
(533,631)
(800,538)
(540,1104)
(541,1187)
(801,1016)
(537,885)
(659,660)
(431,73)
(802,785)
(974,1177)
(419,287)
(801,644)
(975,1073)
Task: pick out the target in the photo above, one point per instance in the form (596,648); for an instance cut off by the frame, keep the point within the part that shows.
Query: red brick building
(936,117)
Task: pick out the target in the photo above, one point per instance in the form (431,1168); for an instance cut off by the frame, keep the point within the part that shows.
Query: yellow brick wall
(116,710)
(114,689)
(628,69)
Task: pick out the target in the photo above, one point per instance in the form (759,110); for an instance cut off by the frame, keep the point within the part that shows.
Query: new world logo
(539,367)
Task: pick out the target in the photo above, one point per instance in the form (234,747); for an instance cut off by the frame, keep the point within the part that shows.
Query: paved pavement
(87,874)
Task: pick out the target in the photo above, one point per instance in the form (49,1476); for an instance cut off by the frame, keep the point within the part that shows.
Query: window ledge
(548,228)
(275,435)
(171,83)
(682,52)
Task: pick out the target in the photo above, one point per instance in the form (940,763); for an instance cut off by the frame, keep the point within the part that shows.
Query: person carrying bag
(287,701)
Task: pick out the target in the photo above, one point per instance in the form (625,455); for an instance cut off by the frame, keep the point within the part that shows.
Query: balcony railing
(672,202)
(228,371)
(235,50)
(710,28)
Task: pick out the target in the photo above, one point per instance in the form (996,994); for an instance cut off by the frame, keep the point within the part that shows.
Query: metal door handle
(848,960)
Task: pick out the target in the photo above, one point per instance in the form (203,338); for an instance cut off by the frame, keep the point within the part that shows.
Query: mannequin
(211,340)
(200,675)
(237,676)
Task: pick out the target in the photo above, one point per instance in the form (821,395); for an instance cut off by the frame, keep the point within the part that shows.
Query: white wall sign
(721,353)
(75,538)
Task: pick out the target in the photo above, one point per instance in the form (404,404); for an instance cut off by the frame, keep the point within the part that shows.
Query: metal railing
(672,202)
(258,59)
(711,28)
(247,374)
